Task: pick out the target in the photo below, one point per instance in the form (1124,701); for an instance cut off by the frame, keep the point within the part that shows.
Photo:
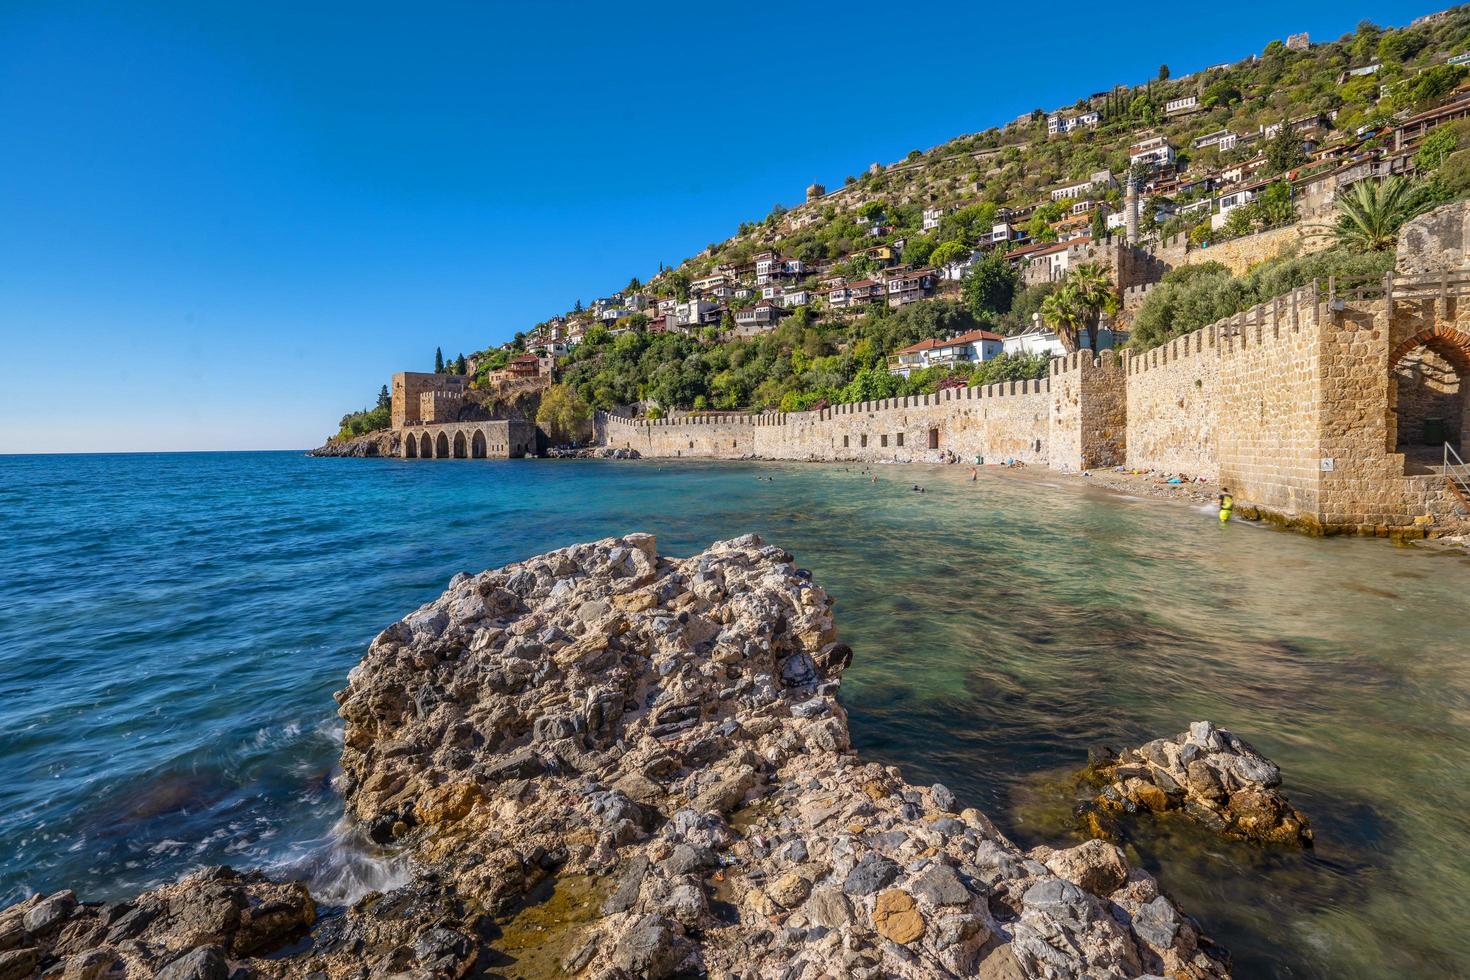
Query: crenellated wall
(1171,406)
(1289,404)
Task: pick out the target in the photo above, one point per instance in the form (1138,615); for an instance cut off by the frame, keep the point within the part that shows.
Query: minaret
(1130,207)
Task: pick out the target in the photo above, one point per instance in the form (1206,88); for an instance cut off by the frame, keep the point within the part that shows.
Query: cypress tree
(438,360)
(384,399)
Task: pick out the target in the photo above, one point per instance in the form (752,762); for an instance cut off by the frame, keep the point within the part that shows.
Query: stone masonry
(1292,404)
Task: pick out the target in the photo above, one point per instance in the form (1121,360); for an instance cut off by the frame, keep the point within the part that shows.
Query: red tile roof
(973,336)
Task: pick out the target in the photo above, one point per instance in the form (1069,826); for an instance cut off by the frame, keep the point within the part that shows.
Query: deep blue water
(172,628)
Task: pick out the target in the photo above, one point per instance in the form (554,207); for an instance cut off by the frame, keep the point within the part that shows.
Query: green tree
(385,400)
(1099,227)
(1096,295)
(438,360)
(990,285)
(563,415)
(1163,73)
(1369,214)
(1063,312)
(1284,151)
(459,365)
(633,285)
(948,252)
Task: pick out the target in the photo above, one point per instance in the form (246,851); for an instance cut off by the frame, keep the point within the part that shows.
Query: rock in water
(1208,773)
(668,731)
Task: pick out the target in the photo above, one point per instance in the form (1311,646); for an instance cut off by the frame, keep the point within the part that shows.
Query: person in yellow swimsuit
(1227,504)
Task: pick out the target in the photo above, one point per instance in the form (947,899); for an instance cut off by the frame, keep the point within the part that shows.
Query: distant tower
(1131,209)
(815,191)
(875,168)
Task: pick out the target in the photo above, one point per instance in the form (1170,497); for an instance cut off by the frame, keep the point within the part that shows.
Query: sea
(172,628)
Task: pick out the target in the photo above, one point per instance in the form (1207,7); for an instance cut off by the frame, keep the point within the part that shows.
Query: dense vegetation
(1195,296)
(368,420)
(805,361)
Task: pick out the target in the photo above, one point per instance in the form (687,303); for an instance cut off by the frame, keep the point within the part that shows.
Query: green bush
(1193,297)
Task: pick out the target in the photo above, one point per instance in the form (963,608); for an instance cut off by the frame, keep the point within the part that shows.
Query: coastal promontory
(602,762)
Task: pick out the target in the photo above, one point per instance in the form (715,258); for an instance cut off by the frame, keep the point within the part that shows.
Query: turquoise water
(173,626)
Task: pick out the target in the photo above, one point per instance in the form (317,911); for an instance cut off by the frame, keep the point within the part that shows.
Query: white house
(932,218)
(1186,103)
(1224,139)
(967,348)
(1059,124)
(1101,180)
(696,312)
(770,290)
(796,297)
(1035,339)
(1229,202)
(1155,151)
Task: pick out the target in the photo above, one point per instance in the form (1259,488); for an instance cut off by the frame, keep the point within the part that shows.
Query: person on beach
(974,474)
(1227,504)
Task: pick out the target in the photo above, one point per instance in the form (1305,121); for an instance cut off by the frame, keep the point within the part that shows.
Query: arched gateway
(1430,372)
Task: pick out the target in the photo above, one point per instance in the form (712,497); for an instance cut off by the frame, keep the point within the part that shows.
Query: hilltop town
(1009,294)
(933,271)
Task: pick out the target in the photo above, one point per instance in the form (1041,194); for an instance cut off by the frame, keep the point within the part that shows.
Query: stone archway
(441,446)
(461,448)
(410,446)
(1429,379)
(426,447)
(477,445)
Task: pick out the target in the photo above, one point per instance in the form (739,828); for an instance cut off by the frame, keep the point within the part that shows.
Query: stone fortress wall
(1290,404)
(425,413)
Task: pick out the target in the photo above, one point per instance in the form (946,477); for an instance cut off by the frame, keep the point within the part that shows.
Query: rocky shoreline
(662,736)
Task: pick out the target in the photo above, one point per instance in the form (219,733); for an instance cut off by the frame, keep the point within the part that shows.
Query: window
(933,438)
(900,438)
(883,440)
(844,442)
(863,441)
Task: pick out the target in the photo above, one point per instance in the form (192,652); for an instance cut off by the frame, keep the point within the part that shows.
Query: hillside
(1022,241)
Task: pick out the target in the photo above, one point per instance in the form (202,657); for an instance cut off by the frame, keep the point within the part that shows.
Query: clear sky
(223,225)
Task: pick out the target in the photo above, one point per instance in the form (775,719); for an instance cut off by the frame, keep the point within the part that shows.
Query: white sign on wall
(1327,465)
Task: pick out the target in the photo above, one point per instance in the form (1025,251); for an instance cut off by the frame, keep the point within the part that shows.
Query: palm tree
(1370,213)
(1063,312)
(1096,294)
(1078,304)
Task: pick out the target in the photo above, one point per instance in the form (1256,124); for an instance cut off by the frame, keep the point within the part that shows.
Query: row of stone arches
(446,445)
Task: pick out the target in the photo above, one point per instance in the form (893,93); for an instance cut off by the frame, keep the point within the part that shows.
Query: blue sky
(223,225)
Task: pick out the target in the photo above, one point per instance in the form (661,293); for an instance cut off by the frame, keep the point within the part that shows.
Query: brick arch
(1450,342)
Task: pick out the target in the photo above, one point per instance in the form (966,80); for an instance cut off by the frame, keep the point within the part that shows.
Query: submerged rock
(1211,775)
(667,730)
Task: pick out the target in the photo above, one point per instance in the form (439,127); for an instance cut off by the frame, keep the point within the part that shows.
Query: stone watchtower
(815,191)
(409,389)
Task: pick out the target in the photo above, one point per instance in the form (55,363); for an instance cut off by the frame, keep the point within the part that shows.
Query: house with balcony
(696,312)
(856,293)
(910,287)
(792,298)
(767,267)
(932,217)
(1156,151)
(756,319)
(967,348)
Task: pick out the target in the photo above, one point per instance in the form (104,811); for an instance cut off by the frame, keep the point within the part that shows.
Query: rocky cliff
(604,763)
